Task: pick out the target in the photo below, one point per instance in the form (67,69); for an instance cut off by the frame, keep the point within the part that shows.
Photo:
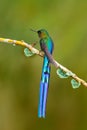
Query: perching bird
(47,46)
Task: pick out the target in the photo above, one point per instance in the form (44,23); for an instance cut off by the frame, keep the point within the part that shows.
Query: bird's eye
(39,32)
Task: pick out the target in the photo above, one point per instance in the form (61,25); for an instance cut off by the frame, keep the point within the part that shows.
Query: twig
(22,43)
(56,64)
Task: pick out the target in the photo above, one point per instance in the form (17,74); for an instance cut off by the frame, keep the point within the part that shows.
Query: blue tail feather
(44,84)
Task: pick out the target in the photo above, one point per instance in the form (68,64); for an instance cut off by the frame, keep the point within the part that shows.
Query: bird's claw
(33,44)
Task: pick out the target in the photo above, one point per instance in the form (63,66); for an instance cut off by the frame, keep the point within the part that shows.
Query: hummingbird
(47,46)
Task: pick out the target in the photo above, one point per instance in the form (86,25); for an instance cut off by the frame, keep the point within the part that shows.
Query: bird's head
(42,33)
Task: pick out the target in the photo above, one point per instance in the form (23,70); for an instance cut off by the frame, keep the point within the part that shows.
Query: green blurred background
(66,21)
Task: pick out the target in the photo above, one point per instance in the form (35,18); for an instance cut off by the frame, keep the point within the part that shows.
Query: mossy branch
(35,51)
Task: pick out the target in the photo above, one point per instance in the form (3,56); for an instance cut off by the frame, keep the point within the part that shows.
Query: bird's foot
(33,44)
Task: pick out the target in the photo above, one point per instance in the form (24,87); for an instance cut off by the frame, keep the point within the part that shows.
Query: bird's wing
(47,53)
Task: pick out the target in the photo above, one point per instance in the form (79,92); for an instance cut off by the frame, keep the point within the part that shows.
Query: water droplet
(14,44)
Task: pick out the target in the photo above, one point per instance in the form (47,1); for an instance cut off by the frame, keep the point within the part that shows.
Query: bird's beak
(33,30)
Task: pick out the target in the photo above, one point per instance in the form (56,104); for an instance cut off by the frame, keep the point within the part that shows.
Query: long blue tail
(44,84)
